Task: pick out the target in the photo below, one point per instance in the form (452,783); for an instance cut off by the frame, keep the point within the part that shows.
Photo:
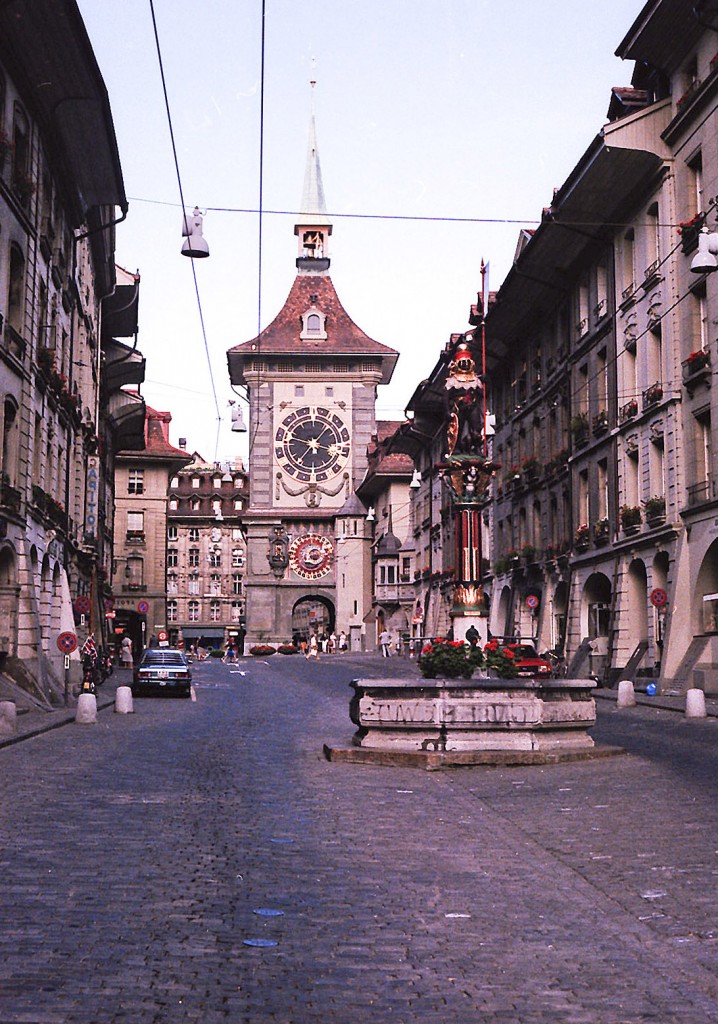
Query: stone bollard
(695,704)
(123,700)
(626,695)
(86,713)
(8,718)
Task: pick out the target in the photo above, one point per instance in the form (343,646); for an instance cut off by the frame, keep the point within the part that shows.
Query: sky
(443,127)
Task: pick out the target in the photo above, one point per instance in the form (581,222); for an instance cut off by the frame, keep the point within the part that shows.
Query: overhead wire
(182,201)
(419,218)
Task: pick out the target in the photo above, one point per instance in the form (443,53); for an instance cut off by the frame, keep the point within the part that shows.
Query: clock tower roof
(287,335)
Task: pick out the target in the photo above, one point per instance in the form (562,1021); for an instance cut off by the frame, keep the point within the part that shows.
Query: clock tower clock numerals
(312,443)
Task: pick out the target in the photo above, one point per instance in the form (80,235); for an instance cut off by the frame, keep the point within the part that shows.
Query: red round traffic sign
(162,636)
(142,607)
(67,642)
(659,598)
(532,601)
(82,604)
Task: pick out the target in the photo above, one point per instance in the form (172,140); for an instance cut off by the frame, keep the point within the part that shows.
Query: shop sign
(92,495)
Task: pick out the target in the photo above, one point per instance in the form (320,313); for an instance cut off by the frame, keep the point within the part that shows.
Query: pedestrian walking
(385,643)
(313,650)
(126,652)
(342,641)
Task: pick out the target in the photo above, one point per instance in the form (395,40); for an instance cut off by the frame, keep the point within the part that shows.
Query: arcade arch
(313,614)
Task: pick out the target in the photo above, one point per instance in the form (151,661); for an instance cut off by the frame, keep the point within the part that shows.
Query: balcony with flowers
(530,469)
(601,530)
(599,425)
(528,554)
(631,519)
(689,230)
(556,465)
(696,369)
(652,395)
(655,510)
(628,411)
(582,537)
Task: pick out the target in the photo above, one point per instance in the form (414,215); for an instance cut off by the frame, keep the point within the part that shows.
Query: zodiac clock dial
(311,556)
(312,444)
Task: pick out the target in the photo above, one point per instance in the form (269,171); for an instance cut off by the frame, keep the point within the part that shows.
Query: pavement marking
(193,694)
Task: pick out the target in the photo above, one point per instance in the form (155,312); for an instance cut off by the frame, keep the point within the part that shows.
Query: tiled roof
(157,444)
(282,336)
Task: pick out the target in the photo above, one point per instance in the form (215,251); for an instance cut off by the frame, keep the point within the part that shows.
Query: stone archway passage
(313,614)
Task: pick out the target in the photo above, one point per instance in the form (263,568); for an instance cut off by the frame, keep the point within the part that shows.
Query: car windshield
(524,651)
(155,657)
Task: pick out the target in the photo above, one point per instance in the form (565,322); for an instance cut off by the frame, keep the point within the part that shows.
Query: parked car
(528,663)
(162,671)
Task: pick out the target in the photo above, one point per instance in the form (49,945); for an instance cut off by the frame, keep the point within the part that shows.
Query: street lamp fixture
(704,261)
(194,246)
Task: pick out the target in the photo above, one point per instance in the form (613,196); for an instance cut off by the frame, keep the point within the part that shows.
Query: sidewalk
(31,721)
(660,702)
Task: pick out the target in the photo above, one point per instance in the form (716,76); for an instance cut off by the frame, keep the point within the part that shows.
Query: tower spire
(313,227)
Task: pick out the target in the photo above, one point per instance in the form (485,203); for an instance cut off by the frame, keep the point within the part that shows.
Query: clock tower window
(313,325)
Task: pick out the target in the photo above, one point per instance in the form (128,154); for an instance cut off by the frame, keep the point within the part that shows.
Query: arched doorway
(705,602)
(596,620)
(636,617)
(9,592)
(313,615)
(501,625)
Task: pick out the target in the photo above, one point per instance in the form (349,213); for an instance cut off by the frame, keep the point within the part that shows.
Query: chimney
(183,443)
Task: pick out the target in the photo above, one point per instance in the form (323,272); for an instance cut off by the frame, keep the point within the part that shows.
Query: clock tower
(312,378)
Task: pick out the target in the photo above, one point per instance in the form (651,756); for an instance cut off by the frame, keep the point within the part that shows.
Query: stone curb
(433,760)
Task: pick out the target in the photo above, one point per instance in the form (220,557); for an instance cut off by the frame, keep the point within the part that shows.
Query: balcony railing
(397,592)
(653,395)
(698,494)
(695,369)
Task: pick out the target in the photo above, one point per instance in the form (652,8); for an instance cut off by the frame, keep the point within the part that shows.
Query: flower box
(696,367)
(579,429)
(601,531)
(689,231)
(653,395)
(655,509)
(631,518)
(629,410)
(600,423)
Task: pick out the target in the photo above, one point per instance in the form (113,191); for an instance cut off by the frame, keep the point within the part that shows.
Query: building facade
(206,554)
(61,418)
(601,343)
(142,550)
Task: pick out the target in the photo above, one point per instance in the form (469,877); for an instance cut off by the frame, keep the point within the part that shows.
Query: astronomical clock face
(311,556)
(312,444)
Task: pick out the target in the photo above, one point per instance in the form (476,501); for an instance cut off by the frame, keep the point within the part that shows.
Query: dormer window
(313,325)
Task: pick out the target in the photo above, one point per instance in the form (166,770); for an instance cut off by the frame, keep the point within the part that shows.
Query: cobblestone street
(204,862)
